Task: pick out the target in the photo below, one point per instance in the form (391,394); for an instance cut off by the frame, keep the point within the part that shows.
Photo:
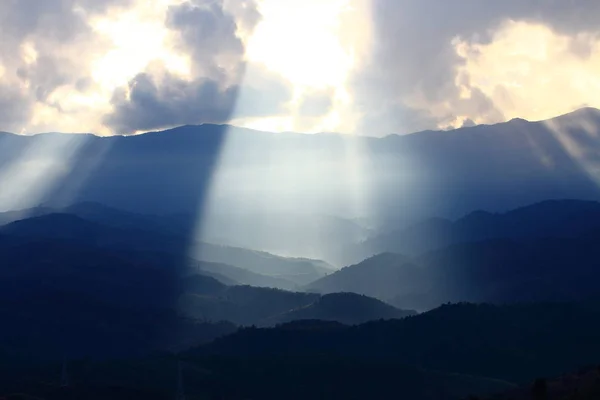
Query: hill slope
(118,281)
(516,343)
(551,218)
(382,276)
(347,308)
(284,272)
(543,252)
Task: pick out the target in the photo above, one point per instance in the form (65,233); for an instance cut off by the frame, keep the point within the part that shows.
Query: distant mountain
(496,271)
(509,271)
(545,251)
(382,276)
(241,276)
(202,172)
(277,231)
(347,308)
(120,281)
(246,305)
(290,234)
(129,235)
(552,218)
(281,271)
(243,305)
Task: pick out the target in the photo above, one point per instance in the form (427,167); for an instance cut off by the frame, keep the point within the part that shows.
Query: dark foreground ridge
(484,350)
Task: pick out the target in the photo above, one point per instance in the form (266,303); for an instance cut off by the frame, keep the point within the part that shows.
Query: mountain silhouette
(382,276)
(501,342)
(84,284)
(449,353)
(436,173)
(347,308)
(130,235)
(551,218)
(542,252)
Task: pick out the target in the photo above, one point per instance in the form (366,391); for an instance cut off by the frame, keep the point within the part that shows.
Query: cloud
(222,84)
(14,108)
(69,65)
(530,70)
(148,103)
(41,50)
(209,34)
(414,65)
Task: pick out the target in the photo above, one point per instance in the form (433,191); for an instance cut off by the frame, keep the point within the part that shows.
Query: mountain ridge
(65,226)
(210,170)
(555,217)
(577,113)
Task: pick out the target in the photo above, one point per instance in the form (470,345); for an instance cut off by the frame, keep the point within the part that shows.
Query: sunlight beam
(38,170)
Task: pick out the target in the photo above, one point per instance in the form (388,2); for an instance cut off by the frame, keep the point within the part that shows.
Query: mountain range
(546,251)
(283,182)
(550,218)
(79,287)
(97,225)
(244,264)
(542,252)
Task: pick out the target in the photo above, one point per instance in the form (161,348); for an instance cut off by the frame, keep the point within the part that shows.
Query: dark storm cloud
(224,86)
(412,52)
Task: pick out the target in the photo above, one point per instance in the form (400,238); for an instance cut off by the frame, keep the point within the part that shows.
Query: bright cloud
(530,70)
(138,36)
(368,66)
(303,40)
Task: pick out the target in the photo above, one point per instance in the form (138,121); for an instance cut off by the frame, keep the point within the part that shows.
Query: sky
(370,67)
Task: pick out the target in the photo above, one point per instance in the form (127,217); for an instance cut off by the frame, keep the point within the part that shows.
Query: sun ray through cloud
(315,64)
